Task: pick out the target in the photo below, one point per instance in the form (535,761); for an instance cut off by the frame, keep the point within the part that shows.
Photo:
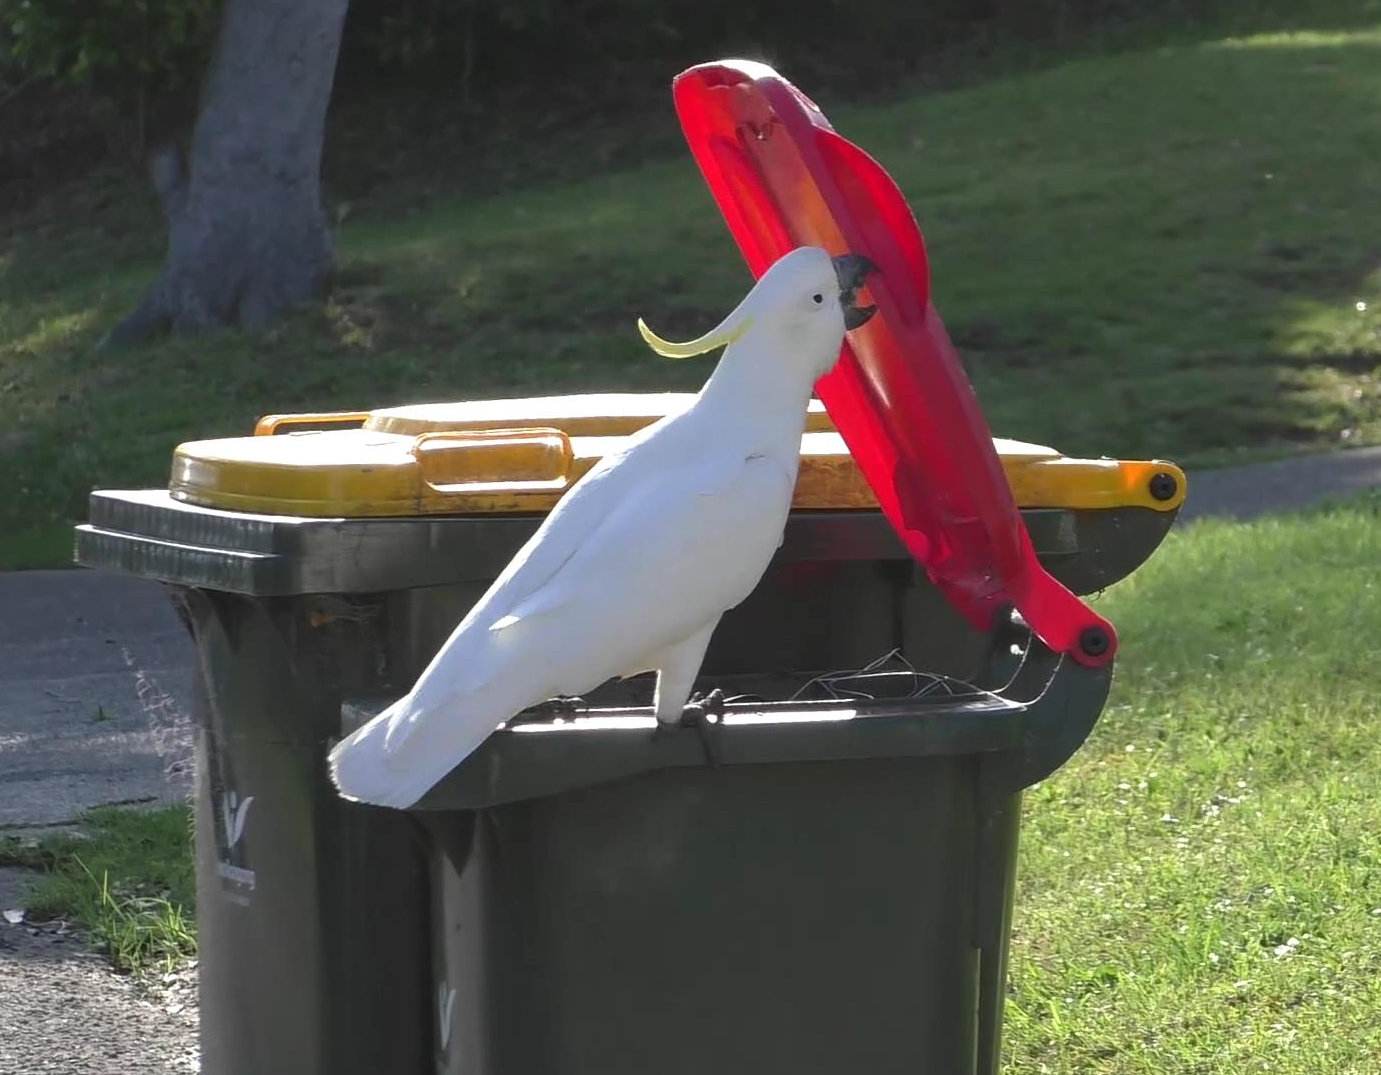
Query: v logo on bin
(445,1003)
(234,814)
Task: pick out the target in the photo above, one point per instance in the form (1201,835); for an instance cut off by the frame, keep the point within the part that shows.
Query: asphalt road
(1285,485)
(95,671)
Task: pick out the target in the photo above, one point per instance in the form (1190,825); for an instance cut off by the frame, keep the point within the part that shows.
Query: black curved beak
(851,270)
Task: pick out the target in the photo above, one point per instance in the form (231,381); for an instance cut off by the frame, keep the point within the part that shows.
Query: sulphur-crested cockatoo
(635,565)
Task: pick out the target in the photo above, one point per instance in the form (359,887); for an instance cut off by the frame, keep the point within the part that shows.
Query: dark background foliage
(83,81)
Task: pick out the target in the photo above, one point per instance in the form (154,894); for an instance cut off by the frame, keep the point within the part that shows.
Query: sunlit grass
(54,332)
(1200,887)
(1337,326)
(1303,38)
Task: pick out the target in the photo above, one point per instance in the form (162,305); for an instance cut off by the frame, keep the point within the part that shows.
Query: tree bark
(247,236)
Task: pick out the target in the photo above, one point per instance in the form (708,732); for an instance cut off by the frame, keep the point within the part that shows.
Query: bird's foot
(701,707)
(703,713)
(560,706)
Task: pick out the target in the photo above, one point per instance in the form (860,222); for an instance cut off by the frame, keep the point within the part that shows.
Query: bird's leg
(705,715)
(676,672)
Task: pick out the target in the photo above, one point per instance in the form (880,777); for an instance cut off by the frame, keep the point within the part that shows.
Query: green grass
(1164,252)
(127,880)
(1200,888)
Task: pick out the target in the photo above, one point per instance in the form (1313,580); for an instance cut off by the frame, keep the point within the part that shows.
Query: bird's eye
(817,298)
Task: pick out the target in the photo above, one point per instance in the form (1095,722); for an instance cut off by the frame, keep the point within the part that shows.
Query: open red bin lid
(783,178)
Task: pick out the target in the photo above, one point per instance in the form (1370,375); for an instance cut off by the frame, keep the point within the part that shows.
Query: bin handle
(270,424)
(469,461)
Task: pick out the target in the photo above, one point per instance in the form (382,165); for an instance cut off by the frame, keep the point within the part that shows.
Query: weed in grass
(135,930)
(127,879)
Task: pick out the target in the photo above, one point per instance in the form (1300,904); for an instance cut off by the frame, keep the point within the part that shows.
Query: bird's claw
(701,707)
(698,713)
(560,706)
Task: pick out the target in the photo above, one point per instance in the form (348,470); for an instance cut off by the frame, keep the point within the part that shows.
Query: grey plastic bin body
(785,890)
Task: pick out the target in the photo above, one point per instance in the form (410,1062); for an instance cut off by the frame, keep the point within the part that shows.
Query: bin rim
(1023,731)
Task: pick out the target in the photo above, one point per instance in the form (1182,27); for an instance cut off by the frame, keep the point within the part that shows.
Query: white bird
(632,569)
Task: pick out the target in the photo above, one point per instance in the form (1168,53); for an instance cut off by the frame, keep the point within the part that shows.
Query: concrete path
(95,672)
(1285,485)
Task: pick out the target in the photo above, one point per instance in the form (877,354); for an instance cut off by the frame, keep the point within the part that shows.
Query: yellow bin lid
(520,455)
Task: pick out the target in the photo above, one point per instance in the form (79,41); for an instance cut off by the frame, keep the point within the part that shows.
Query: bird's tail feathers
(403,752)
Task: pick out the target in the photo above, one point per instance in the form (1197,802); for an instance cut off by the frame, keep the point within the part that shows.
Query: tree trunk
(247,236)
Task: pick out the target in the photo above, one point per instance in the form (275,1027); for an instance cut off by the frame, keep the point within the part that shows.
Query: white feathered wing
(641,557)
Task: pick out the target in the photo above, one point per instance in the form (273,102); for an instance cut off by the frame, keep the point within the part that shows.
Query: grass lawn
(1199,889)
(128,879)
(1170,251)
